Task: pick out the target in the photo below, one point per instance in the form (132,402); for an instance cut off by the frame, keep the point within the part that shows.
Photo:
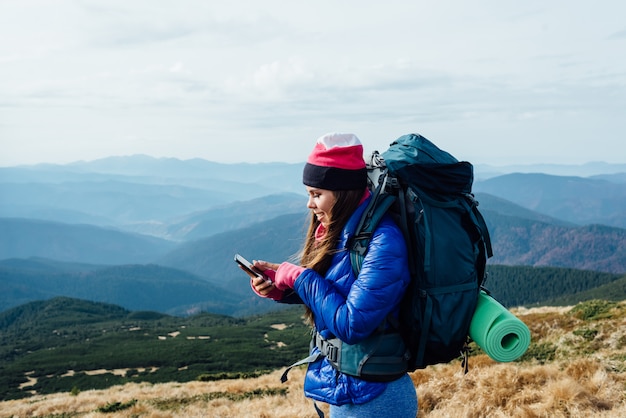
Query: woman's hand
(282,276)
(261,285)
(264,286)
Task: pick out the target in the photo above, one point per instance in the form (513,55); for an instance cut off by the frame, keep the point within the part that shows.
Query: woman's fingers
(265,265)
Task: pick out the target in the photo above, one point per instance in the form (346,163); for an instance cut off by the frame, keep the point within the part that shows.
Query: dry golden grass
(581,389)
(226,398)
(585,378)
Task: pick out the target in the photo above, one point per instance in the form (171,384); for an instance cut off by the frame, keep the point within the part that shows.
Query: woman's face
(321,202)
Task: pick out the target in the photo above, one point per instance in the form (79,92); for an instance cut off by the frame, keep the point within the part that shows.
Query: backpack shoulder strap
(367,224)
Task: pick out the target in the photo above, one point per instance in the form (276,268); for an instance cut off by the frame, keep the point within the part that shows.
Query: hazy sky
(491,81)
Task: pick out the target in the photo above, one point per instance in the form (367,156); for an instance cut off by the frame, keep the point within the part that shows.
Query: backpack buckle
(356,242)
(327,349)
(331,353)
(392,183)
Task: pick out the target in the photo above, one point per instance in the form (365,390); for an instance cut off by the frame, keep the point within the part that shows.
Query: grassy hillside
(61,341)
(575,367)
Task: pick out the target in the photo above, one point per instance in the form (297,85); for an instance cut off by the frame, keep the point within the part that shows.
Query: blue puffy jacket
(352,308)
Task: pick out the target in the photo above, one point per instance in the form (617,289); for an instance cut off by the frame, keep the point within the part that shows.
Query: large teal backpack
(428,192)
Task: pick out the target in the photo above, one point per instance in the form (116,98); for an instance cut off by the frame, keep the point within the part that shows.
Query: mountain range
(160,234)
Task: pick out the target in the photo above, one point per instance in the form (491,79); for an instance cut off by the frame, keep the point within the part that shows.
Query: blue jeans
(399,400)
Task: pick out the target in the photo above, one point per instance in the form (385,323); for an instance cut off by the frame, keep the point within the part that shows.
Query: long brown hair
(318,254)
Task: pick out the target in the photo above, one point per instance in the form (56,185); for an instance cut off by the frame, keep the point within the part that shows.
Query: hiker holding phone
(350,312)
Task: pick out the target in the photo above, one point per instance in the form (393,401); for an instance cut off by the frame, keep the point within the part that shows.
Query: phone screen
(248,266)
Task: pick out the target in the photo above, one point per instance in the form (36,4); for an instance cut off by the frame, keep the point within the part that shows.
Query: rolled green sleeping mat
(499,333)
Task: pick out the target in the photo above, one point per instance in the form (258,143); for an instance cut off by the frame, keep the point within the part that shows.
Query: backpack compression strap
(479,220)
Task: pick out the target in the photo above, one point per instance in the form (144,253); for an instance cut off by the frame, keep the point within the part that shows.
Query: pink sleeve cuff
(286,275)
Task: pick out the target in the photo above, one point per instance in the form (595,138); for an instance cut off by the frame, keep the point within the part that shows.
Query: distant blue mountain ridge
(172,219)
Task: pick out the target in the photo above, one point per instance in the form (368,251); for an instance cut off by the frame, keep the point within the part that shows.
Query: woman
(340,304)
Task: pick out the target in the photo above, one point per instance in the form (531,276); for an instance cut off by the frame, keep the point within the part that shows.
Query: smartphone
(247,266)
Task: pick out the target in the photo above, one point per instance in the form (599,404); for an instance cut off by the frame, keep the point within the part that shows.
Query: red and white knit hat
(336,163)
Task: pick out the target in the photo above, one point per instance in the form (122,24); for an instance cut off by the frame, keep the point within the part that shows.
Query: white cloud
(177,68)
(78,79)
